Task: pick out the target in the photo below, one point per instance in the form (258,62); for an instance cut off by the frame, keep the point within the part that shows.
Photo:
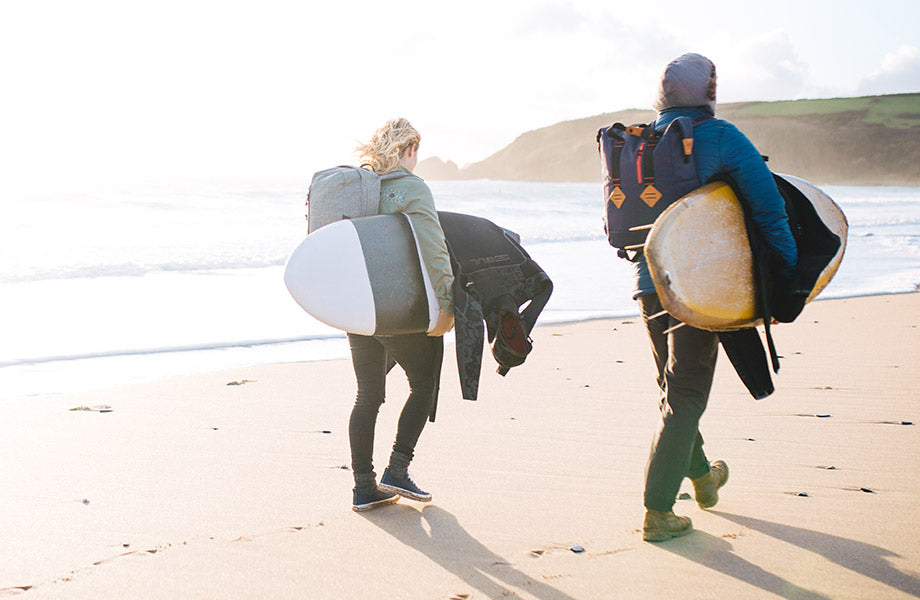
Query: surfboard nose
(327,276)
(364,276)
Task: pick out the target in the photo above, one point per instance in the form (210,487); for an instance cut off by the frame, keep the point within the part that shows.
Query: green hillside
(873,140)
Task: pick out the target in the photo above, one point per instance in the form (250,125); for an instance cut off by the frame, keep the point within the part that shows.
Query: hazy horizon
(99,91)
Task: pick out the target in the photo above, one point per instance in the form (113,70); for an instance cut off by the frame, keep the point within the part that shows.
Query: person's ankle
(399,464)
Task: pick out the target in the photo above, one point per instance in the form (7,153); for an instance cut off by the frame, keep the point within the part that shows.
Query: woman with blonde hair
(394,149)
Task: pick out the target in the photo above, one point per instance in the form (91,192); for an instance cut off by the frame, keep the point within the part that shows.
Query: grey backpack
(343,192)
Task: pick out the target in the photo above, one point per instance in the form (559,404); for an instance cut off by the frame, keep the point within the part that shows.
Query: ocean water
(121,284)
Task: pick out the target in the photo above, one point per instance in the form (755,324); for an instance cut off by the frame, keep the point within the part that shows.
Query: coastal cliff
(871,140)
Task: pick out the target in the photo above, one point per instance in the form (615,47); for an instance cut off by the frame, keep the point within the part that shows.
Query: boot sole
(373,505)
(389,489)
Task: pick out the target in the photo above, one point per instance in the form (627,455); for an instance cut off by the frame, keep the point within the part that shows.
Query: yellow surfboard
(700,258)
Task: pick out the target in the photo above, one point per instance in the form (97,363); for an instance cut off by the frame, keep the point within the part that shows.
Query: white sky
(95,90)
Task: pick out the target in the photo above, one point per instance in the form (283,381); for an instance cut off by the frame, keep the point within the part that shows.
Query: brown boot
(660,526)
(706,488)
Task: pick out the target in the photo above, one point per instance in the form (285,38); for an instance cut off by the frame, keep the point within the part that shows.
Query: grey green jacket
(410,195)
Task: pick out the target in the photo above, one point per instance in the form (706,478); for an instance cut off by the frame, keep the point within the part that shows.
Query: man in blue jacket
(686,357)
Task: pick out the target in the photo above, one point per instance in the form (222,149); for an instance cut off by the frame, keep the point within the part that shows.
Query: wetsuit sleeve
(744,164)
(419,207)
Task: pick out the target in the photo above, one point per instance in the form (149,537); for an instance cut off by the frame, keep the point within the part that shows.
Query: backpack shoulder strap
(684,126)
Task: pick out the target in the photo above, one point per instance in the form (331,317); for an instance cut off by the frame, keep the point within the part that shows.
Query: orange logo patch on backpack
(617,196)
(650,195)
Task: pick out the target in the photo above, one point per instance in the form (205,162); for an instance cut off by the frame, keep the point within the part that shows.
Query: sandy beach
(235,484)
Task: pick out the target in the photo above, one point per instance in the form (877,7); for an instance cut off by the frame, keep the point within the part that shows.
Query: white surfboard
(700,258)
(364,276)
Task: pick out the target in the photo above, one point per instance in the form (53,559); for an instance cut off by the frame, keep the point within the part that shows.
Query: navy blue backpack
(644,171)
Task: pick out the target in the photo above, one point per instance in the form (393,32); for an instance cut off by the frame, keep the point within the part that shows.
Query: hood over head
(688,81)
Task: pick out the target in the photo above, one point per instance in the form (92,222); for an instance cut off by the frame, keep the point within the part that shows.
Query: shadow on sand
(859,557)
(716,554)
(438,535)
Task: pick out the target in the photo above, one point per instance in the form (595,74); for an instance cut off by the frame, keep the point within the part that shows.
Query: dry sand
(196,488)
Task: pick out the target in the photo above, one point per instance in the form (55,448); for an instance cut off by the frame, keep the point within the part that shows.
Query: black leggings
(415,354)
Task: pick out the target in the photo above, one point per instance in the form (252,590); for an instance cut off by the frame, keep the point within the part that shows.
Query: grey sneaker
(362,501)
(660,526)
(706,488)
(404,486)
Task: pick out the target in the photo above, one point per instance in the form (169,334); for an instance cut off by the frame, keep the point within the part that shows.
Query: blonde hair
(388,144)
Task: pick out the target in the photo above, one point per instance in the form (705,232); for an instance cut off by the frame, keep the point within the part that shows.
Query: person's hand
(445,323)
